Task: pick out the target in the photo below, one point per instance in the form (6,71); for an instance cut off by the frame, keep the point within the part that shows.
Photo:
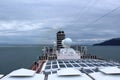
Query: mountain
(111,42)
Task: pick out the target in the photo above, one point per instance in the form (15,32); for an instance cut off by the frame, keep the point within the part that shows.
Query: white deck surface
(56,77)
(1,75)
(69,72)
(110,70)
(22,72)
(35,77)
(101,76)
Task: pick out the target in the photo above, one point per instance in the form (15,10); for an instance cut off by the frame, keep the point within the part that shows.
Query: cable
(103,16)
(89,4)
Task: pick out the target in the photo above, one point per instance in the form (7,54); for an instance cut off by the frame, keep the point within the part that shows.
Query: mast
(60,35)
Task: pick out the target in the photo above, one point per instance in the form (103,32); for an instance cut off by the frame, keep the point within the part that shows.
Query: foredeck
(48,70)
(89,68)
(51,66)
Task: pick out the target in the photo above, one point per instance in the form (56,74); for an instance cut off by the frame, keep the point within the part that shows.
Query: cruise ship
(65,62)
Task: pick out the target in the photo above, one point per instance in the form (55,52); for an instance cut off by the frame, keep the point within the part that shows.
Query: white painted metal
(69,72)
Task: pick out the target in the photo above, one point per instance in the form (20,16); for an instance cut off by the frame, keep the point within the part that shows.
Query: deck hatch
(55,65)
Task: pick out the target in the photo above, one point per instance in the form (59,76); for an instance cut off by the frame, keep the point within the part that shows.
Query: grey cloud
(38,21)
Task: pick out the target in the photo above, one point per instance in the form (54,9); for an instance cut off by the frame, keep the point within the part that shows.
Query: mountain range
(111,42)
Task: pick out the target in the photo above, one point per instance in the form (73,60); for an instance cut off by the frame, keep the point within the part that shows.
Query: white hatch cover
(35,77)
(110,70)
(22,72)
(68,72)
(56,77)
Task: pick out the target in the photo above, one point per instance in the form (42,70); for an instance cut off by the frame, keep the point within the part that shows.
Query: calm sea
(12,57)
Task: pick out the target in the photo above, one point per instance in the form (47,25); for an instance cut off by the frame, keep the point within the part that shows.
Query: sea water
(15,57)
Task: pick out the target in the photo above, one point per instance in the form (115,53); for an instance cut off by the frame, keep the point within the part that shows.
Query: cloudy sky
(37,21)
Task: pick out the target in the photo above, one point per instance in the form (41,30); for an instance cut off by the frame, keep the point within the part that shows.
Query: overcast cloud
(37,21)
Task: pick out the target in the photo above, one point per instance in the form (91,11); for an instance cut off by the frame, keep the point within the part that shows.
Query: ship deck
(89,69)
(89,65)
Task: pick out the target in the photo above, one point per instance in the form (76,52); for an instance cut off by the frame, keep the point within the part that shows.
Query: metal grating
(52,66)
